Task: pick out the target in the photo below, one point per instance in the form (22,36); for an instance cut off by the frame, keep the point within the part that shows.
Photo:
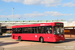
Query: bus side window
(14,30)
(29,30)
(19,30)
(49,29)
(34,29)
(39,29)
(24,30)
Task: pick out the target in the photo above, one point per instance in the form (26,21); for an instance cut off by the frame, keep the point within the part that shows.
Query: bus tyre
(19,38)
(41,40)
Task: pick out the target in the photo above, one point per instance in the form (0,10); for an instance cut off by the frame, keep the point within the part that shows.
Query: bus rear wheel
(42,40)
(19,38)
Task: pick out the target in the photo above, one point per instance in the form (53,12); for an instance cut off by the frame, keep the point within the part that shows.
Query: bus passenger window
(14,30)
(24,30)
(39,29)
(34,29)
(29,30)
(49,29)
(19,30)
(42,29)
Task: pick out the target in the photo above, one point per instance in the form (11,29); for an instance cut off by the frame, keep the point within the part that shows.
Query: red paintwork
(35,37)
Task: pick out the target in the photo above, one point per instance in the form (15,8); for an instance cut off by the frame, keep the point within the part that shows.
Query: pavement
(1,48)
(7,43)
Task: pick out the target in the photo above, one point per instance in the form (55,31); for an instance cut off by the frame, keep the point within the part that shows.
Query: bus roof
(36,25)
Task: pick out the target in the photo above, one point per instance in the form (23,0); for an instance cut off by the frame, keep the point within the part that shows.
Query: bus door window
(49,29)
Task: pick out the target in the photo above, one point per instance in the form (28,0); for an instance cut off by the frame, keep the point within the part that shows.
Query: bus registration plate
(60,40)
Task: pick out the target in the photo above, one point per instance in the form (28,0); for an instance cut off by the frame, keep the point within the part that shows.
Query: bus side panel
(35,37)
(15,36)
(27,37)
(49,38)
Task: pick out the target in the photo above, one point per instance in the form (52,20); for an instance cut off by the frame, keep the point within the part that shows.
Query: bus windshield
(58,30)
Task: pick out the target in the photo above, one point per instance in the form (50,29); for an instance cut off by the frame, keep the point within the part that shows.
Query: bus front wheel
(19,38)
(41,39)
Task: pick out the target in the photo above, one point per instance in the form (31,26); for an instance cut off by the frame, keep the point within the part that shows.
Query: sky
(37,10)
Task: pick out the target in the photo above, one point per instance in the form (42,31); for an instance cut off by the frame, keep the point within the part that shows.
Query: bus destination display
(58,24)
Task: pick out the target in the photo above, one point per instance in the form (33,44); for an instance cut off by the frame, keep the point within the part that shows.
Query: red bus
(43,32)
